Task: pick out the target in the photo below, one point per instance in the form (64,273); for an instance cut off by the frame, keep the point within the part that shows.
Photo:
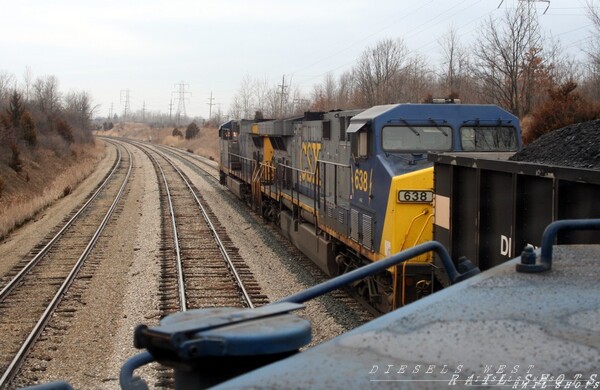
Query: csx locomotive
(353,187)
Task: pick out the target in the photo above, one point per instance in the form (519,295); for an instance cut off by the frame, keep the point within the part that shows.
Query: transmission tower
(530,5)
(181,92)
(210,104)
(283,95)
(125,102)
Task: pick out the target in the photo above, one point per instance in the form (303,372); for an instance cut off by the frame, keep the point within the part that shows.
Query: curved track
(198,253)
(36,287)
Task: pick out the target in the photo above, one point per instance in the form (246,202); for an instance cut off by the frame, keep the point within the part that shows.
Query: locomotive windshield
(489,138)
(416,138)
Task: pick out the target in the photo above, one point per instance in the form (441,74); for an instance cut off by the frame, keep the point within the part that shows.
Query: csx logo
(361,180)
(310,156)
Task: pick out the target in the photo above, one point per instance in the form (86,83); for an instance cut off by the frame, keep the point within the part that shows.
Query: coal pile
(576,145)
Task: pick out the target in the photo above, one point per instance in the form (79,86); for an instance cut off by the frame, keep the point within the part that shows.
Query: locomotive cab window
(489,138)
(416,138)
(359,139)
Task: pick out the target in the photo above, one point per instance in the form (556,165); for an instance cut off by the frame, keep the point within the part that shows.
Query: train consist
(349,188)
(501,327)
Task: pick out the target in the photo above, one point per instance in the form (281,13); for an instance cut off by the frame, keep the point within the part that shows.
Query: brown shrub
(15,162)
(192,131)
(564,107)
(28,127)
(65,130)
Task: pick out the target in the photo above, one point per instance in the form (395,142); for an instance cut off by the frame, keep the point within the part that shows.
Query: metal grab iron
(529,262)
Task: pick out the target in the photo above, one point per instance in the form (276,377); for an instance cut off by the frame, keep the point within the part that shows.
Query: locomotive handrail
(379,266)
(314,185)
(334,163)
(130,365)
(126,374)
(297,169)
(528,258)
(240,156)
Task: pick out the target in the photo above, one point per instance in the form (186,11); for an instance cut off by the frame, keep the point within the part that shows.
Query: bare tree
(324,95)
(454,63)
(262,89)
(416,81)
(235,108)
(27,80)
(78,107)
(245,94)
(46,95)
(377,69)
(593,51)
(7,82)
(345,90)
(508,57)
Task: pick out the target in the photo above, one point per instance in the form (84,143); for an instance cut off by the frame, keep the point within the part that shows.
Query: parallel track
(359,310)
(30,298)
(206,261)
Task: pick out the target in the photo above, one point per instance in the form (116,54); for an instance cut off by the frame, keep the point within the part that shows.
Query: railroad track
(31,293)
(200,266)
(207,263)
(356,310)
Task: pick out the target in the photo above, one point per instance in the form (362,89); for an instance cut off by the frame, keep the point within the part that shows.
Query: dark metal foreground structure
(497,328)
(488,208)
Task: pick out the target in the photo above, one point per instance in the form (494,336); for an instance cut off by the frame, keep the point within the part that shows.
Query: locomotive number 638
(415,196)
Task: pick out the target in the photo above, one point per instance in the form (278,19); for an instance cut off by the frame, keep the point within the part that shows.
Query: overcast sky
(148,47)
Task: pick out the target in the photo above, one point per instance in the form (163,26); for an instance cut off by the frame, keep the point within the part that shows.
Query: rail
(126,375)
(178,265)
(14,281)
(216,238)
(213,230)
(39,326)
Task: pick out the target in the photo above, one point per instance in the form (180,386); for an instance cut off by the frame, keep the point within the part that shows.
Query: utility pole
(110,112)
(144,111)
(125,94)
(210,104)
(181,92)
(282,94)
(170,109)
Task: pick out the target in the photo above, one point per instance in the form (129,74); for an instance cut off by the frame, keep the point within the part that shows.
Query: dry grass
(53,171)
(206,144)
(47,177)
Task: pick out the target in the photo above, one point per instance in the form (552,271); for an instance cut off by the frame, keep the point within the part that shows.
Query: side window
(360,144)
(363,149)
(343,125)
(326,130)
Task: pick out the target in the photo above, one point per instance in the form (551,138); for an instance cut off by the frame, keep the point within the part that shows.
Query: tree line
(511,64)
(37,114)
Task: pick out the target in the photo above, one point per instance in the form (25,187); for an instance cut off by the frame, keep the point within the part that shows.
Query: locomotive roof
(374,112)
